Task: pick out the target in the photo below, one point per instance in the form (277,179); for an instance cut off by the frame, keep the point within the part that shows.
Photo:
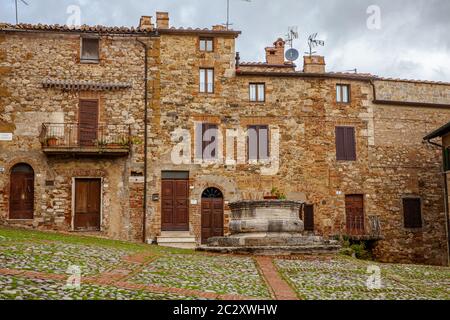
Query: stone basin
(269,228)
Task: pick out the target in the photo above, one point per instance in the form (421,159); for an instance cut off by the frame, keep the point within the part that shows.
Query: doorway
(87,205)
(212,214)
(88,123)
(21,202)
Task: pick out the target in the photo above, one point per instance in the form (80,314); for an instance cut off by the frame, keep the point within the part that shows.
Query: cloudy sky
(410,40)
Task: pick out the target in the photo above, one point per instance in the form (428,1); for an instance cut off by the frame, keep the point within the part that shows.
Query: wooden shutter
(308,218)
(345,144)
(213,141)
(412,213)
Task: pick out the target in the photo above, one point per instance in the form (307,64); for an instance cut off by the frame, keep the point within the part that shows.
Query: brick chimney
(146,23)
(275,54)
(314,64)
(162,20)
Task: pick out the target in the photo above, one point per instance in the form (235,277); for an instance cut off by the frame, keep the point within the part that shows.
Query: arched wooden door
(212,214)
(21,200)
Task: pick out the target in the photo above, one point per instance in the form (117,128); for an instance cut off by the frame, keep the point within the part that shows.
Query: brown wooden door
(212,218)
(308,217)
(354,207)
(87,204)
(175,205)
(21,202)
(88,122)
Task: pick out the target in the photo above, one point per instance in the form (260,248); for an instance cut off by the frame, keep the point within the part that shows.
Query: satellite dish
(292,54)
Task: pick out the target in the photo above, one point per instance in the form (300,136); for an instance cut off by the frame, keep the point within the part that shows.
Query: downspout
(447,225)
(144,217)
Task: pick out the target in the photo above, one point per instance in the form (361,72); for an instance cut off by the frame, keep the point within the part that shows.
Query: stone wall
(27,60)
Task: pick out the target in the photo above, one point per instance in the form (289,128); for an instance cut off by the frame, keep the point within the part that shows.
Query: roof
(266,65)
(110,30)
(66,28)
(439,132)
(300,74)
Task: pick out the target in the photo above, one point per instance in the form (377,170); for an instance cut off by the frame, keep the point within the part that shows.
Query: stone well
(269,228)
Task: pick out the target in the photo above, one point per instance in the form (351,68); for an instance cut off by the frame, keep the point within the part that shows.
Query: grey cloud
(413,31)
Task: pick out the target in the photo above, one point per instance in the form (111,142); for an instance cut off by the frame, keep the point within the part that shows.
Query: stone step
(177,239)
(275,250)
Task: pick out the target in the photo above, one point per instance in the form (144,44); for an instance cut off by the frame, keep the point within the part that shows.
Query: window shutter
(412,213)
(199,141)
(340,143)
(252,143)
(350,144)
(308,217)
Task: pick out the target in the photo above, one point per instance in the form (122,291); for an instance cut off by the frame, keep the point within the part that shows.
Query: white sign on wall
(6,136)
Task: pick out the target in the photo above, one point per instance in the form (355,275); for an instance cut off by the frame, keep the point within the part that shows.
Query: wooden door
(308,217)
(175,205)
(21,202)
(87,205)
(212,214)
(88,122)
(354,207)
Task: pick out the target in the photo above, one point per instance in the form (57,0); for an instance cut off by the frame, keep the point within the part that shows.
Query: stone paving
(346,279)
(218,274)
(34,265)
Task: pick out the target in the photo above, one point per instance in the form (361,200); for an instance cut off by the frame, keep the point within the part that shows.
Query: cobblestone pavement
(346,279)
(16,288)
(218,274)
(34,265)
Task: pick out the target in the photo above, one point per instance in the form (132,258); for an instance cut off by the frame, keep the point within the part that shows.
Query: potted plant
(52,141)
(275,194)
(101,143)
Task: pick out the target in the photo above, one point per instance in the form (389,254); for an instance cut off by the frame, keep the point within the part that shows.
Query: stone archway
(212,213)
(21,195)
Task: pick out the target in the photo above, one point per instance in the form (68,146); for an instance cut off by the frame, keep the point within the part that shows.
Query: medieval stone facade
(194,78)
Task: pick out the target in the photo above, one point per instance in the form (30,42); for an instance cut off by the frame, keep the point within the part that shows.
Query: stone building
(218,130)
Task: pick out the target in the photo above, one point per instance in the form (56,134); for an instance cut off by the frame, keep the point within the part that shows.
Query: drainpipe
(144,217)
(447,225)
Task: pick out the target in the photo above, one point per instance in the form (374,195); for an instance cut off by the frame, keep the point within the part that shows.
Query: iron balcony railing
(356,227)
(75,135)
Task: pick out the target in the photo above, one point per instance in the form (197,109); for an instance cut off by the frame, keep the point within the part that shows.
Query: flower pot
(270,198)
(51,142)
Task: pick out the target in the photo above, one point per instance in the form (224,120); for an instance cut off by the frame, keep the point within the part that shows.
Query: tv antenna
(292,35)
(313,43)
(228,23)
(17,9)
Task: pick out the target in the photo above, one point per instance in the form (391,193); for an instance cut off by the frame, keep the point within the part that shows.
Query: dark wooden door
(212,218)
(175,205)
(308,217)
(88,122)
(354,207)
(21,203)
(87,204)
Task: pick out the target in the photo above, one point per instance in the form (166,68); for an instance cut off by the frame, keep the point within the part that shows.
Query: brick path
(118,279)
(280,288)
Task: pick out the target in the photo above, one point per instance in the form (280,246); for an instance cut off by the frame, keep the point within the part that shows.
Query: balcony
(86,140)
(356,229)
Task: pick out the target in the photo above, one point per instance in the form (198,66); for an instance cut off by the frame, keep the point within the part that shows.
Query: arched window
(212,193)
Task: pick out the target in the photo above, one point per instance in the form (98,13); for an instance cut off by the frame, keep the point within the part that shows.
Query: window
(206,80)
(343,93)
(258,143)
(207,44)
(447,159)
(257,92)
(345,144)
(412,211)
(207,136)
(90,50)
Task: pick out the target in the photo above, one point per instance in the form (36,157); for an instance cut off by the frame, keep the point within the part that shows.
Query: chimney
(162,20)
(314,64)
(146,23)
(275,54)
(219,28)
